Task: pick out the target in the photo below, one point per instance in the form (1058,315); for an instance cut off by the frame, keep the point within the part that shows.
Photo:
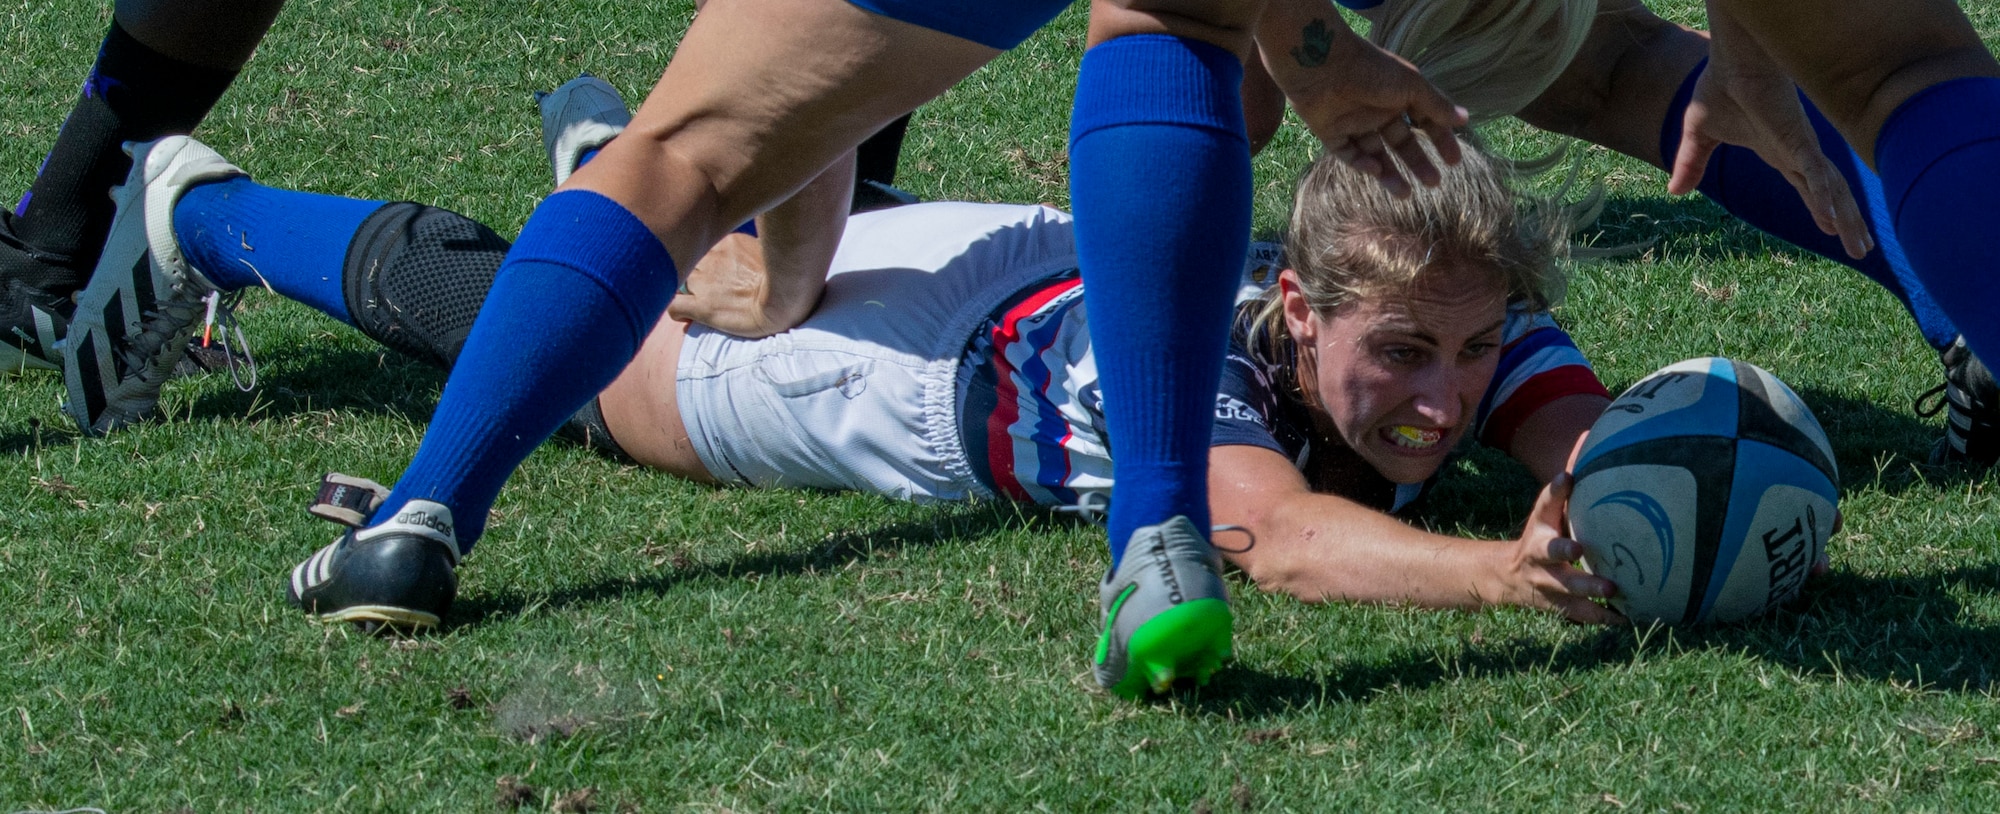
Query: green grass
(673,646)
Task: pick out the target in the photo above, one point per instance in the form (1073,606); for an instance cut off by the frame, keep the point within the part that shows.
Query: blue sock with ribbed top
(1939,158)
(575,298)
(1161,245)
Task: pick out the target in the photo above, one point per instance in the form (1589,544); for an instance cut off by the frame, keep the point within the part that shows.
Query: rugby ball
(1706,492)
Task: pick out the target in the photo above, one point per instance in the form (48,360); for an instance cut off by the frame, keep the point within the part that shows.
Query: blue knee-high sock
(1939,157)
(240,234)
(1759,195)
(1160,180)
(574,299)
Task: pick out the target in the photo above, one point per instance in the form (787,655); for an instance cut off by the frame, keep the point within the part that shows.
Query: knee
(1229,24)
(1263,106)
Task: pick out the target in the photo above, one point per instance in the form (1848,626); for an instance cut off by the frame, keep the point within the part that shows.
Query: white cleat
(134,319)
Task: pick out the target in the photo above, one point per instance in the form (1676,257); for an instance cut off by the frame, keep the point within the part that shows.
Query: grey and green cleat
(1166,612)
(582,115)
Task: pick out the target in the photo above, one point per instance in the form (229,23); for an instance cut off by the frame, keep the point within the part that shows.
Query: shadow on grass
(36,436)
(948,526)
(376,381)
(340,379)
(1903,630)
(1678,227)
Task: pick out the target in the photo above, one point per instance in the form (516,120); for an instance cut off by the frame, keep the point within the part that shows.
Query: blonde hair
(1349,238)
(1491,56)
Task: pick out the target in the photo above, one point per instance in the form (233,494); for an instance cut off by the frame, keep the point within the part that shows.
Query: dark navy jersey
(1259,405)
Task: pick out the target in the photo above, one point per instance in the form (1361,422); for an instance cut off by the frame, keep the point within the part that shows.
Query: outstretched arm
(1546,438)
(1327,548)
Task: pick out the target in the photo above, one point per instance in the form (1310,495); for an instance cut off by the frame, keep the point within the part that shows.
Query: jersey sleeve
(1539,364)
(1245,407)
(1249,410)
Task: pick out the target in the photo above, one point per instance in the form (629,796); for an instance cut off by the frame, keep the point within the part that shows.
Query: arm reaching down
(1746,98)
(1323,548)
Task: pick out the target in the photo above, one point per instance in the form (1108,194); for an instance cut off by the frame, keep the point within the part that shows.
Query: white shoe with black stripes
(144,301)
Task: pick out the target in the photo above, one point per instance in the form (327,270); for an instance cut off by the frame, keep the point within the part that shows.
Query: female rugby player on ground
(950,359)
(1628,86)
(766,95)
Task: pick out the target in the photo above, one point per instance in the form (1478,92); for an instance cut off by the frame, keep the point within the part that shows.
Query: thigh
(1000,25)
(1617,90)
(1858,60)
(1227,23)
(760,97)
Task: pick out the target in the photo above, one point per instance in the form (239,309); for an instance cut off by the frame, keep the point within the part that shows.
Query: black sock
(133,94)
(875,160)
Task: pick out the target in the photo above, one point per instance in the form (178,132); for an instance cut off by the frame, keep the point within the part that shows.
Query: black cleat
(1972,422)
(397,573)
(37,298)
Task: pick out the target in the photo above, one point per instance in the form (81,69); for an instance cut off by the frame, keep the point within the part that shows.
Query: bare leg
(795,100)
(746,115)
(1617,90)
(1859,61)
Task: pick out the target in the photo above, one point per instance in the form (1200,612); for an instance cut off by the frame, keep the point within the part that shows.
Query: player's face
(1401,376)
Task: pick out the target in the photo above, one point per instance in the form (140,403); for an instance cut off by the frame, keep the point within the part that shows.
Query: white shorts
(862,395)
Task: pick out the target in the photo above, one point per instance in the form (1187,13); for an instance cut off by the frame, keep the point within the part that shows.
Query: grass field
(658,645)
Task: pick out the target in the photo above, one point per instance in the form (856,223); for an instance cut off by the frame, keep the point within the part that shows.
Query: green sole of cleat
(1190,640)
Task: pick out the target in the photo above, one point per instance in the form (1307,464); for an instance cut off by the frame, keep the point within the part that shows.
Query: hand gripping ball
(1706,491)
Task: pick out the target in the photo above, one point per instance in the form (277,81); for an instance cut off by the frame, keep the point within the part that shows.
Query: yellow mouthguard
(1420,436)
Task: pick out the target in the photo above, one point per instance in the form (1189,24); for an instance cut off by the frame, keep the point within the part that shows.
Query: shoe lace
(1934,407)
(1094,507)
(157,327)
(222,311)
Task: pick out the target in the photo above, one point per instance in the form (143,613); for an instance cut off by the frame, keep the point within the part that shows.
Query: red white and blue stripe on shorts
(1017,440)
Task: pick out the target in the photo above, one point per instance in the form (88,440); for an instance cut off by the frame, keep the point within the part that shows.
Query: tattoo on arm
(1318,43)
